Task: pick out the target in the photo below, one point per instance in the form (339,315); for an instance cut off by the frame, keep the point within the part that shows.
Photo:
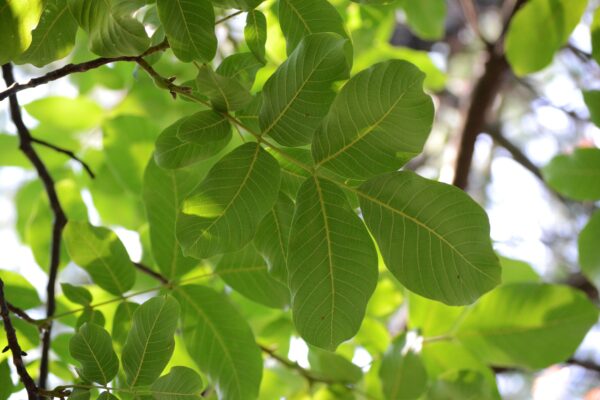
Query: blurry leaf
(60,345)
(297,96)
(223,212)
(300,18)
(595,28)
(517,271)
(462,385)
(107,396)
(333,366)
(220,342)
(272,237)
(100,252)
(80,394)
(17,19)
(577,175)
(255,33)
(246,272)
(373,336)
(6,384)
(91,316)
(225,94)
(444,255)
(66,114)
(122,321)
(592,100)
(150,341)
(111,27)
(332,265)
(76,294)
(426,17)
(180,383)
(92,347)
(386,299)
(589,249)
(190,28)
(54,37)
(402,372)
(538,30)
(9,156)
(19,291)
(528,325)
(359,142)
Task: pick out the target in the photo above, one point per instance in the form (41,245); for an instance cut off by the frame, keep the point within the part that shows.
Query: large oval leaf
(332,265)
(221,343)
(92,347)
(433,237)
(526,324)
(357,141)
(150,342)
(222,213)
(100,252)
(298,94)
(576,176)
(190,28)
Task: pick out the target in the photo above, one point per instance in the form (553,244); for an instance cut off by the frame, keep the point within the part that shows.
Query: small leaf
(180,383)
(426,17)
(332,265)
(122,321)
(19,291)
(589,249)
(592,101)
(595,28)
(333,366)
(221,343)
(150,342)
(359,142)
(223,212)
(433,237)
(246,272)
(300,18)
(242,67)
(208,129)
(225,94)
(92,347)
(76,294)
(255,34)
(6,384)
(576,176)
(92,317)
(100,252)
(107,396)
(190,28)
(402,373)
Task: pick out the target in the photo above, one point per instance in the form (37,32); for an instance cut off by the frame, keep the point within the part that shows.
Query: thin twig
(306,374)
(69,153)
(23,315)
(15,348)
(60,219)
(148,271)
(235,14)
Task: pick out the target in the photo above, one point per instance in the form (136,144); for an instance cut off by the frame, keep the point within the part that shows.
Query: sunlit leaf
(577,175)
(255,33)
(180,383)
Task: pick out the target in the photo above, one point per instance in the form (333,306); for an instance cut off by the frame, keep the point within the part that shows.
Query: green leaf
(433,237)
(246,272)
(517,271)
(426,17)
(298,94)
(300,18)
(402,373)
(221,343)
(223,212)
(76,294)
(225,94)
(357,141)
(538,30)
(332,265)
(8,156)
(333,366)
(17,19)
(112,30)
(208,129)
(527,324)
(19,291)
(54,37)
(595,28)
(150,342)
(92,347)
(255,33)
(239,4)
(91,316)
(107,396)
(577,175)
(180,383)
(164,190)
(6,384)
(589,249)
(66,114)
(242,67)
(80,394)
(592,100)
(190,28)
(100,252)
(462,384)
(122,321)
(272,237)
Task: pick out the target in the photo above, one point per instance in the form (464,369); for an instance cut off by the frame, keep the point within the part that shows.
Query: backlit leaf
(92,347)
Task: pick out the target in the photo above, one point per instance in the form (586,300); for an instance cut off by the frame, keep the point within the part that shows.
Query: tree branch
(146,270)
(60,219)
(23,315)
(306,374)
(69,153)
(15,348)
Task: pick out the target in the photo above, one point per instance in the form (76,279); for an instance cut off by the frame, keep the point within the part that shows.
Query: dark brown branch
(23,315)
(69,153)
(60,219)
(146,270)
(515,152)
(69,69)
(589,365)
(15,348)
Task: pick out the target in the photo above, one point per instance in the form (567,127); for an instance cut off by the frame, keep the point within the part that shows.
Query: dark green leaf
(92,317)
(333,366)
(76,294)
(242,67)
(255,33)
(122,321)
(92,347)
(208,129)
(225,94)
(180,383)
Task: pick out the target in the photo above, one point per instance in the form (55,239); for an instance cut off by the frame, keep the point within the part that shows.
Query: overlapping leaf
(223,212)
(224,93)
(433,237)
(298,94)
(358,141)
(332,265)
(92,347)
(180,383)
(220,342)
(403,375)
(426,17)
(255,33)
